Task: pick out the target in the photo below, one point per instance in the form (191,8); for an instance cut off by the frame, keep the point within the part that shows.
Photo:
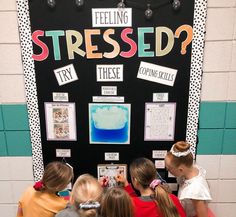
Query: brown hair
(187,160)
(116,203)
(144,171)
(56,177)
(86,189)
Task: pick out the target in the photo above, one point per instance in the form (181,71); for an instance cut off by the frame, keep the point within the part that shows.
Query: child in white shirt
(194,192)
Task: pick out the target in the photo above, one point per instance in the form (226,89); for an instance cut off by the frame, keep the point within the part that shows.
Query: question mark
(187,41)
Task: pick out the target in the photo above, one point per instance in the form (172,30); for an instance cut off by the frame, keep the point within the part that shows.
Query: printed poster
(111,171)
(159,121)
(60,121)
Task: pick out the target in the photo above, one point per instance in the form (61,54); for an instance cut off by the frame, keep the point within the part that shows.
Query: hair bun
(181,146)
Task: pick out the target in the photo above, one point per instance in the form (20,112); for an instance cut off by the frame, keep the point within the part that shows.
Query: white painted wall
(219,79)
(219,68)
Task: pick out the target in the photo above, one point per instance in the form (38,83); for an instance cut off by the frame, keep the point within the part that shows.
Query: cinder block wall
(216,150)
(15,149)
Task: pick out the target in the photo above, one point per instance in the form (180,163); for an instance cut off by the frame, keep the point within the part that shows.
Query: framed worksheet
(60,121)
(159,121)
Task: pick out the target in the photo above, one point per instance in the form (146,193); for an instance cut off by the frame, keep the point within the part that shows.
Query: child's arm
(120,179)
(104,181)
(200,208)
(178,205)
(19,211)
(128,188)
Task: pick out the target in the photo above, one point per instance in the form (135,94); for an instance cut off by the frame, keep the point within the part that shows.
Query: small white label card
(112,156)
(160,164)
(60,97)
(109,73)
(156,73)
(109,90)
(66,74)
(160,97)
(108,99)
(112,17)
(159,153)
(63,153)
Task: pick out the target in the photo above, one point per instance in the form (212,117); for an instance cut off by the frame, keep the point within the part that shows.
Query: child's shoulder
(201,171)
(29,191)
(69,211)
(196,189)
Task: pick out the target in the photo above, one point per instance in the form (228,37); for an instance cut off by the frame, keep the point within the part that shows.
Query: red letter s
(43,46)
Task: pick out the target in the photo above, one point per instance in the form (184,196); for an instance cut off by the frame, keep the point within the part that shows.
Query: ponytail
(87,212)
(144,171)
(164,202)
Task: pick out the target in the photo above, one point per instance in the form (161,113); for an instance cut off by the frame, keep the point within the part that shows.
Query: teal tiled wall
(15,117)
(14,131)
(1,119)
(229,142)
(3,145)
(217,128)
(212,115)
(18,143)
(230,119)
(210,141)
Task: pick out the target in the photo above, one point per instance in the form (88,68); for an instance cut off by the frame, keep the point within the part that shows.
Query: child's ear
(135,181)
(181,169)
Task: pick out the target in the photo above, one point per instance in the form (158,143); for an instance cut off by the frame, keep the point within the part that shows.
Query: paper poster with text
(60,121)
(159,121)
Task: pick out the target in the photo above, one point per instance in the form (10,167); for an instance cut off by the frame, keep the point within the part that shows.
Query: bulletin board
(107,85)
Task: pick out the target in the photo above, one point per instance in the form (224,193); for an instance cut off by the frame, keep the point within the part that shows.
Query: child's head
(178,157)
(142,171)
(57,175)
(144,175)
(116,203)
(86,191)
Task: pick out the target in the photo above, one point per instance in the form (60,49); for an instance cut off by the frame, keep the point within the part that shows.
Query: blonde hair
(116,203)
(86,189)
(187,160)
(56,177)
(144,171)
